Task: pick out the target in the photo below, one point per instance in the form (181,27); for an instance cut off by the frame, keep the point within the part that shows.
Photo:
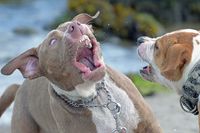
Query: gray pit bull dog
(69,89)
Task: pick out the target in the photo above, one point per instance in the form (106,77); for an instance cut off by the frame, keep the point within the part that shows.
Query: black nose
(141,40)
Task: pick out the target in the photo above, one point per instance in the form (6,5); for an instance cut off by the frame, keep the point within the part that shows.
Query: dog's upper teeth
(86,40)
(84,37)
(88,44)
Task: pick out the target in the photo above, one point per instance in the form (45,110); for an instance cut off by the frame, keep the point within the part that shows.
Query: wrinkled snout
(142,46)
(145,48)
(75,29)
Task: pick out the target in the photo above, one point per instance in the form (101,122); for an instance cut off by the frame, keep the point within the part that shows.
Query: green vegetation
(130,19)
(147,88)
(117,18)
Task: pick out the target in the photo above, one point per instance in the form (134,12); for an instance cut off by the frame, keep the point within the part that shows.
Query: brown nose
(75,29)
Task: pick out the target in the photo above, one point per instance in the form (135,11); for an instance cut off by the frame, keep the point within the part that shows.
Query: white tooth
(89,45)
(82,39)
(86,44)
(86,37)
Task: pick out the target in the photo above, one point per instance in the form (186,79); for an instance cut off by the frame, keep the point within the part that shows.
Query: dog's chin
(95,75)
(147,73)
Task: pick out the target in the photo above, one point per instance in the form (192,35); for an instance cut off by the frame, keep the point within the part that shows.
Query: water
(35,15)
(122,58)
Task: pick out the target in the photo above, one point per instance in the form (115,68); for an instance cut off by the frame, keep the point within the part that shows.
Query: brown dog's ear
(85,18)
(27,63)
(177,57)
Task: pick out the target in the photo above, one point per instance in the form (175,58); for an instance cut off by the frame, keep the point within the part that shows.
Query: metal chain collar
(191,91)
(112,106)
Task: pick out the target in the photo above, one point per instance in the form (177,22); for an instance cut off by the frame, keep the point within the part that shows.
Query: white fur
(84,90)
(129,117)
(161,79)
(145,50)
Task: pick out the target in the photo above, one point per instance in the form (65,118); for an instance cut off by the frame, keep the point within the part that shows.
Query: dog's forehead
(179,36)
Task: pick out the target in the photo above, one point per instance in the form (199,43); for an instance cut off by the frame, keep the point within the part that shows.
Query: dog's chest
(100,119)
(103,118)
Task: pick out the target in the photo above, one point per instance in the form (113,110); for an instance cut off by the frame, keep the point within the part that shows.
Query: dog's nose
(141,40)
(75,29)
(74,26)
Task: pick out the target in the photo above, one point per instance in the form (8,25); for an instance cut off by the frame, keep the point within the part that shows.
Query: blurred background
(25,23)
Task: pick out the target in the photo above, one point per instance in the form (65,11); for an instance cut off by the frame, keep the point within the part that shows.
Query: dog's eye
(53,42)
(156,47)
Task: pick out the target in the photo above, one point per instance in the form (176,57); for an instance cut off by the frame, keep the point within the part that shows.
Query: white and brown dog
(174,61)
(70,90)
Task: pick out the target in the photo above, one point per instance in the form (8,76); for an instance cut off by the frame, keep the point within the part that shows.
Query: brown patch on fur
(148,123)
(172,52)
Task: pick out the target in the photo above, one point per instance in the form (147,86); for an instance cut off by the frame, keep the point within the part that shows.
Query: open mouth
(147,73)
(87,59)
(146,70)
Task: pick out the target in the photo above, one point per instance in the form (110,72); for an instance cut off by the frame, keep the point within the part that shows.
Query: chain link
(113,107)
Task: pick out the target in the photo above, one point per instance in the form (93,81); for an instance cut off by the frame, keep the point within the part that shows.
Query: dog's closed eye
(53,42)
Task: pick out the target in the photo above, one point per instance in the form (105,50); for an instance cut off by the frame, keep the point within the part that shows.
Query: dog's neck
(195,58)
(85,90)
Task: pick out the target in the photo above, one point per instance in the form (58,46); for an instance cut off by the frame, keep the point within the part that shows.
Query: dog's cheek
(142,50)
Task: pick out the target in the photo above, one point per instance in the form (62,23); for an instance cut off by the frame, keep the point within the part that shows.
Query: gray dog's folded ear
(85,18)
(27,63)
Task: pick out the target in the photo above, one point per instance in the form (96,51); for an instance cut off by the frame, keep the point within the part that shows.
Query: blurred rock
(26,31)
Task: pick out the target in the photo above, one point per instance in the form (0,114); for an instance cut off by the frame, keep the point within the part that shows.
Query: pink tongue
(87,63)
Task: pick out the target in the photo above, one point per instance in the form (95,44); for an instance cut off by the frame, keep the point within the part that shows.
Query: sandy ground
(4,129)
(170,115)
(167,109)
